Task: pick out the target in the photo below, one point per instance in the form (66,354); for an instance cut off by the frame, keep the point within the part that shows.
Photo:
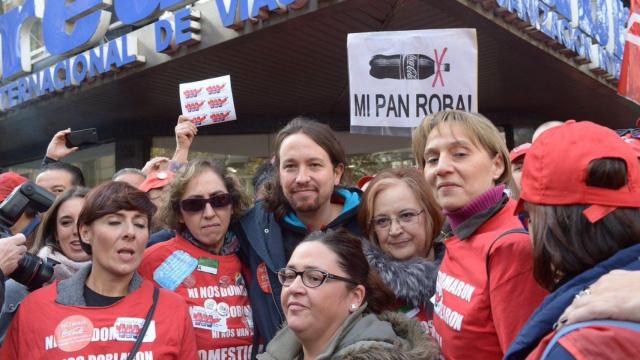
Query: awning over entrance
(298,65)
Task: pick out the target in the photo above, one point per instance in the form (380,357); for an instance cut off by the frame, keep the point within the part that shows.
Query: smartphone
(81,137)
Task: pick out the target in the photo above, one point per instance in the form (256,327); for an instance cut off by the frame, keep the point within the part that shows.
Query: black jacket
(262,250)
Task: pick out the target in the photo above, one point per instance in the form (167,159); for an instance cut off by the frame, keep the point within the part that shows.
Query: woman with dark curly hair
(200,263)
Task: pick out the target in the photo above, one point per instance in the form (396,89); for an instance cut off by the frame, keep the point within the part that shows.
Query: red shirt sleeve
(514,294)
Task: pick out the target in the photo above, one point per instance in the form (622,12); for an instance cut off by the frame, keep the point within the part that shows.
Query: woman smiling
(402,219)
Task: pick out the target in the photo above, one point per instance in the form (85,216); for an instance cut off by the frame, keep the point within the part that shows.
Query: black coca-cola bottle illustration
(403,66)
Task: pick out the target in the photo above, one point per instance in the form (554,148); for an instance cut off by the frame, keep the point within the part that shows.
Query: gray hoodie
(388,336)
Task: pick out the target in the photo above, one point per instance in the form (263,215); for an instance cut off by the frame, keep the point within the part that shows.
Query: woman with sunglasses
(200,263)
(105,310)
(402,219)
(335,307)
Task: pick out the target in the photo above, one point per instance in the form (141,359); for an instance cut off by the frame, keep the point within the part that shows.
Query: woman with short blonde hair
(485,289)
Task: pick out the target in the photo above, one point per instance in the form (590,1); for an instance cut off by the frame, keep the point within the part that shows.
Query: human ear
(85,234)
(338,171)
(357,295)
(497,168)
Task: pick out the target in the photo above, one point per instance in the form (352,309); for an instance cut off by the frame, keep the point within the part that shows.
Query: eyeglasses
(198,204)
(405,218)
(311,278)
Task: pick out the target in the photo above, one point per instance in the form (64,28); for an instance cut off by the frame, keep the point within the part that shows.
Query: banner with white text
(397,78)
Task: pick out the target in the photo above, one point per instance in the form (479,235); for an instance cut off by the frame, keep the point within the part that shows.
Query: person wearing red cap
(583,224)
(155,186)
(516,156)
(485,290)
(8,182)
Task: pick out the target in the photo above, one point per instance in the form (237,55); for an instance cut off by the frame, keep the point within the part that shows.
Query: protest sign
(397,78)
(208,101)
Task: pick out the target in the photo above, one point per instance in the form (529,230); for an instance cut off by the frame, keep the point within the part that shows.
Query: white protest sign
(208,101)
(397,78)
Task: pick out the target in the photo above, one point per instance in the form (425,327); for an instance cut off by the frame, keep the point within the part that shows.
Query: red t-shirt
(595,342)
(213,286)
(43,329)
(477,317)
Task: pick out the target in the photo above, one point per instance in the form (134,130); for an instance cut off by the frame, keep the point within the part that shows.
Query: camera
(32,271)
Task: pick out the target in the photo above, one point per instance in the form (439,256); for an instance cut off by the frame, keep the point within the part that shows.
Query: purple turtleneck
(478,205)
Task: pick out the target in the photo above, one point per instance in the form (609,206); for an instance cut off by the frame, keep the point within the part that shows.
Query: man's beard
(307,204)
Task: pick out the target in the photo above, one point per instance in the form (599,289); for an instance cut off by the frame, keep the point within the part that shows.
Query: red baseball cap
(556,167)
(157,180)
(519,152)
(8,182)
(363,181)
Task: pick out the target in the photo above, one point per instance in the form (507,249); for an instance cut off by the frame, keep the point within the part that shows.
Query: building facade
(116,66)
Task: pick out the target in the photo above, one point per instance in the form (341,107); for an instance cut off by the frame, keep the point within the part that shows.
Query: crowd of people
(474,253)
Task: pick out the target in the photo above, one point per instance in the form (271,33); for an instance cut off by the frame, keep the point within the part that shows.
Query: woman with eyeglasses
(402,219)
(200,263)
(105,310)
(485,290)
(335,306)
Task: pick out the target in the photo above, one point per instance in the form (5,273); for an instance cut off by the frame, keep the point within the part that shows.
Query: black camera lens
(32,272)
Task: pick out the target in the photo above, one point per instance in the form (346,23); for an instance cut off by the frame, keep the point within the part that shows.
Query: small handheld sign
(208,101)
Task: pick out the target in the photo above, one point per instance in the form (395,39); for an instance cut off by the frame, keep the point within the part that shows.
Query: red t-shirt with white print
(213,287)
(477,316)
(44,329)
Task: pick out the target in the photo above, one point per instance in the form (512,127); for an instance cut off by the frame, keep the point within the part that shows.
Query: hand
(155,164)
(12,249)
(616,296)
(185,131)
(57,148)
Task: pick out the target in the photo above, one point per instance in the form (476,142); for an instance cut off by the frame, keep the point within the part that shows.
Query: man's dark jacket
(262,240)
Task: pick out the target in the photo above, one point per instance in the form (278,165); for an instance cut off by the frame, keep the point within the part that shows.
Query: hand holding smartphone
(81,137)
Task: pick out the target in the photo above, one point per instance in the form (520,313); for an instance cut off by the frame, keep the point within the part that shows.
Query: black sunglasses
(198,204)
